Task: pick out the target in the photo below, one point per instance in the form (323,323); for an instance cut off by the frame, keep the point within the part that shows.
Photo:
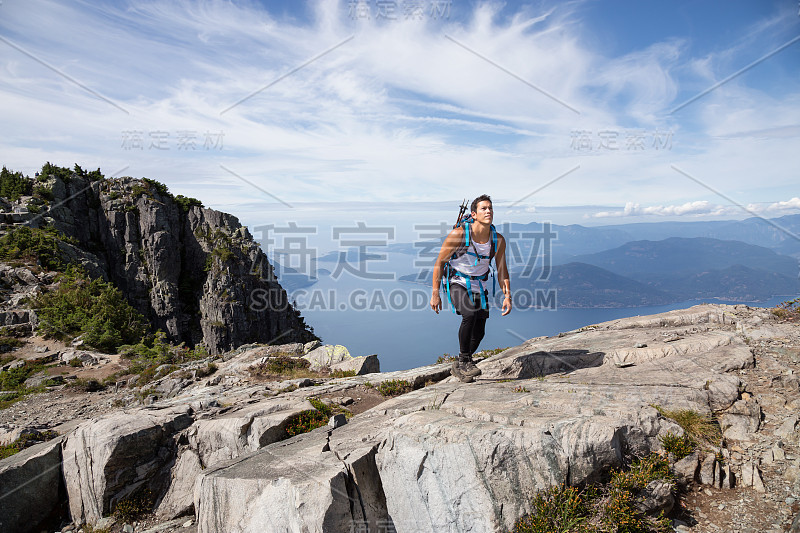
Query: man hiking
(462,266)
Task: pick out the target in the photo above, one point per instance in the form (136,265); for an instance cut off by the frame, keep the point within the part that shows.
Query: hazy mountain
(733,283)
(679,257)
(780,234)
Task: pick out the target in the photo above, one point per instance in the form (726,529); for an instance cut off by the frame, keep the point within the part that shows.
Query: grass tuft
(699,427)
(394,387)
(599,509)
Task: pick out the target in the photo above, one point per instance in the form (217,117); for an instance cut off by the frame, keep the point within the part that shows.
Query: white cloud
(792,204)
(698,208)
(399,112)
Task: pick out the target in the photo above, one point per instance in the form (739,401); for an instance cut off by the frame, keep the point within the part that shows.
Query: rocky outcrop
(195,273)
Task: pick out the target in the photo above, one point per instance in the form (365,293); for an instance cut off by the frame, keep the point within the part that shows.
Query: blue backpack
(465,220)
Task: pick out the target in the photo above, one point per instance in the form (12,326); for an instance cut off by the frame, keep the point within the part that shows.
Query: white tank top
(466,264)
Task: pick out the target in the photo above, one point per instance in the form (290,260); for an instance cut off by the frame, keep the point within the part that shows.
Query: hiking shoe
(470,369)
(458,370)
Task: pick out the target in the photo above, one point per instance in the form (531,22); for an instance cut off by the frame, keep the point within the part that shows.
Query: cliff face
(195,273)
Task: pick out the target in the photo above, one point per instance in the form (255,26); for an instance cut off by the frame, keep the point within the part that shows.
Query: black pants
(473,319)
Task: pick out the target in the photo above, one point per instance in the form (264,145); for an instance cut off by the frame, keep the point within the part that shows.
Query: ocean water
(393,319)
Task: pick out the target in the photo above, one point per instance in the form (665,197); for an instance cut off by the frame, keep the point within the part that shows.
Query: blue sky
(582,112)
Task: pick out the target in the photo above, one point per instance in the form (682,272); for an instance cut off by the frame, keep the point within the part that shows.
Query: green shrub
(153,351)
(53,170)
(788,310)
(281,365)
(394,387)
(678,445)
(134,506)
(13,378)
(35,245)
(186,203)
(321,406)
(446,358)
(157,186)
(490,352)
(25,441)
(14,184)
(93,308)
(92,175)
(559,509)
(7,343)
(43,193)
(305,421)
(642,472)
(343,373)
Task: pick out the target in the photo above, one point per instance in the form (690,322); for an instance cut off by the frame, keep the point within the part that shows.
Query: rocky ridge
(447,456)
(194,273)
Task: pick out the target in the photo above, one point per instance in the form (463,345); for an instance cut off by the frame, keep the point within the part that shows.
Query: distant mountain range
(678,256)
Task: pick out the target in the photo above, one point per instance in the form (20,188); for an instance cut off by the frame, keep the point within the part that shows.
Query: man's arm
(450,245)
(502,273)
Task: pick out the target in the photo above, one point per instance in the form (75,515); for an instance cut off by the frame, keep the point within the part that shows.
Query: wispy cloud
(397,112)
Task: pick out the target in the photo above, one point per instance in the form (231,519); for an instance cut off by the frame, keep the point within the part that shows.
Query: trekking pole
(461,211)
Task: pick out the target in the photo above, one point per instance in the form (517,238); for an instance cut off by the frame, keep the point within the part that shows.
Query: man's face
(484,212)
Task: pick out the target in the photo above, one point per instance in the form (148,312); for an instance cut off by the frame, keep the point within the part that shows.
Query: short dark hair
(482,198)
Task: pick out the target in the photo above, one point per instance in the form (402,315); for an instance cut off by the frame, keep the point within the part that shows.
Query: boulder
(788,430)
(741,420)
(367,364)
(326,356)
(685,470)
(655,497)
(31,487)
(708,469)
(311,345)
(109,459)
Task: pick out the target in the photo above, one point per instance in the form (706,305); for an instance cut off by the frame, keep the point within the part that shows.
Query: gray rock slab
(215,440)
(29,486)
(444,457)
(107,459)
(313,482)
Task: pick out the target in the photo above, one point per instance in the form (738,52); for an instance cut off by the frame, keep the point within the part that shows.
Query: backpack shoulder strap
(493,249)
